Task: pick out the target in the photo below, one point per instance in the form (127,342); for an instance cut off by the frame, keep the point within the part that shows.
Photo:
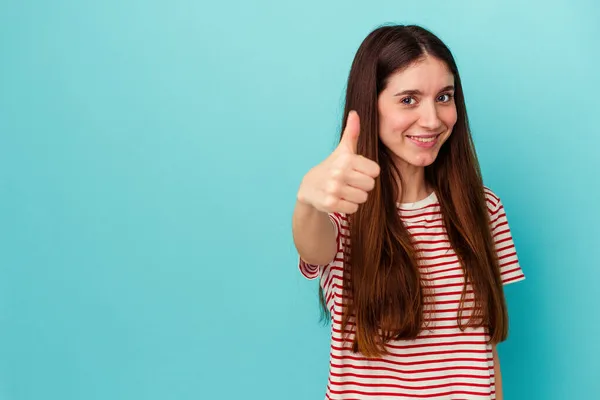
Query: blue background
(150,154)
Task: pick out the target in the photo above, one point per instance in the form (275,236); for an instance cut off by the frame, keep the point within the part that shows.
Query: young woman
(411,249)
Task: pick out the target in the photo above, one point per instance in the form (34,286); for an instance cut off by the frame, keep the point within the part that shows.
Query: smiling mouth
(424,138)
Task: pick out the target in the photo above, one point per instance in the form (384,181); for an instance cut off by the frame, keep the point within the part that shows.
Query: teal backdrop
(150,153)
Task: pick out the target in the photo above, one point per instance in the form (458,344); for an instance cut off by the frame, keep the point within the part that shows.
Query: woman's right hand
(343,180)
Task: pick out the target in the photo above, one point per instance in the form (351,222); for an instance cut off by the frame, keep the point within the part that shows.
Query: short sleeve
(510,268)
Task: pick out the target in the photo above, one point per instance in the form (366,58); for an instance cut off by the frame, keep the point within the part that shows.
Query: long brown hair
(383,291)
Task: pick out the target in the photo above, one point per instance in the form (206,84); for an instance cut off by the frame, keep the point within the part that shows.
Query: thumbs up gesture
(343,180)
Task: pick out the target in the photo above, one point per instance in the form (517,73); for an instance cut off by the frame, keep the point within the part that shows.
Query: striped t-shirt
(443,362)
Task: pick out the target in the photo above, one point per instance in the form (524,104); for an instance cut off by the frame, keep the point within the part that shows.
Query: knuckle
(363,197)
(376,169)
(371,183)
(329,201)
(333,187)
(337,173)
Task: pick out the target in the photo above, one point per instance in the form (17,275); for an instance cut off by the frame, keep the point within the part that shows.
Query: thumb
(349,140)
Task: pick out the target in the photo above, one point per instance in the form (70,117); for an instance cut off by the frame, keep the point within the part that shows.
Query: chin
(424,161)
(419,160)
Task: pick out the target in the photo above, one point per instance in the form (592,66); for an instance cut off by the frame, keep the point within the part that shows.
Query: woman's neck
(414,186)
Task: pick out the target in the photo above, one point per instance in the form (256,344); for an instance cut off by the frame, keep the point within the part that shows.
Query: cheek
(449,117)
(398,123)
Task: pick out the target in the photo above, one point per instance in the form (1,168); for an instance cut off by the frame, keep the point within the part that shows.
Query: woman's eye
(445,98)
(408,100)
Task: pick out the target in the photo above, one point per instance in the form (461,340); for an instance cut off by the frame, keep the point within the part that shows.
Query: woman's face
(417,112)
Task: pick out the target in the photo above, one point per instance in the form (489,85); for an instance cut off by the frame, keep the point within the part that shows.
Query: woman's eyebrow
(418,92)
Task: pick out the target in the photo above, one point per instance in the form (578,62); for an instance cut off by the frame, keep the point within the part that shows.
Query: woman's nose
(429,118)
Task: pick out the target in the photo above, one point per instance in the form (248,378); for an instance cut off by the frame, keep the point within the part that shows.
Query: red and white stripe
(443,362)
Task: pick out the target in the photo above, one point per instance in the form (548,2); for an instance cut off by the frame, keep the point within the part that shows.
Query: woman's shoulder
(492,200)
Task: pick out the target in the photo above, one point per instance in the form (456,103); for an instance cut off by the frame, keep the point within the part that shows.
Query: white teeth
(423,140)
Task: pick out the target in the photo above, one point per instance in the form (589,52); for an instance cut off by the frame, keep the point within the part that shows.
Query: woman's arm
(497,374)
(338,184)
(314,234)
